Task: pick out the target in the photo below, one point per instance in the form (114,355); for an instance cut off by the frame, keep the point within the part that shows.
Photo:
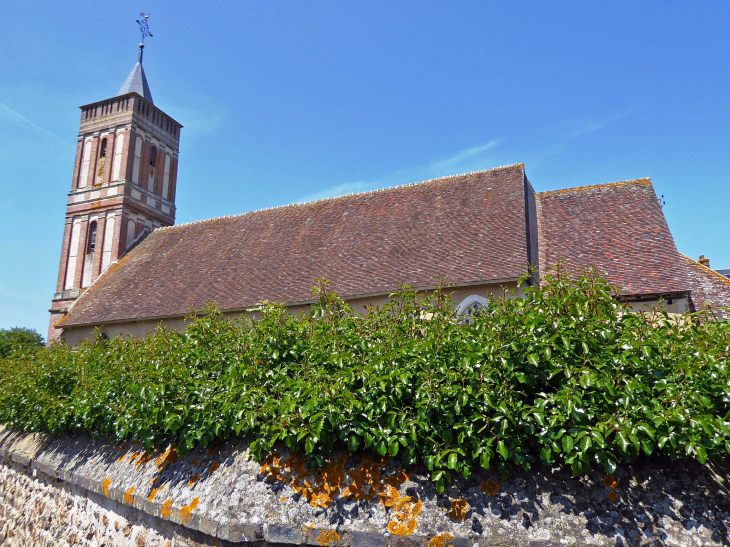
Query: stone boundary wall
(74,490)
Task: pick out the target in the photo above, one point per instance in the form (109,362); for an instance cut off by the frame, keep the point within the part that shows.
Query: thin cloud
(468,154)
(339,190)
(560,134)
(470,159)
(17,115)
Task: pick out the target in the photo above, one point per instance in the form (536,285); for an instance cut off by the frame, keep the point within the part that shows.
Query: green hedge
(563,375)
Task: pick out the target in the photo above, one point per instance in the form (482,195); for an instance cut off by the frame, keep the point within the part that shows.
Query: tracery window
(471,306)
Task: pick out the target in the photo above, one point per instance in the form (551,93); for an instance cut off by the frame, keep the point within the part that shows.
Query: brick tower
(123,186)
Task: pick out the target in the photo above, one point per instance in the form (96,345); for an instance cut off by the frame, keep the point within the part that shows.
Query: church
(126,267)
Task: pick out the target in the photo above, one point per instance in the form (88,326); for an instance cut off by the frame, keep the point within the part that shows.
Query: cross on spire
(144,29)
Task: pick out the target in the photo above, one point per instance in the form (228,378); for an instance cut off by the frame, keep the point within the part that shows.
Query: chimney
(704,261)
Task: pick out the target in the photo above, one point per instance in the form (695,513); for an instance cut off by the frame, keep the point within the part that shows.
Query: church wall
(678,305)
(142,328)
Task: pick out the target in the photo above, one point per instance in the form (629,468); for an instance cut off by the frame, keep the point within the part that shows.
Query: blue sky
(290,101)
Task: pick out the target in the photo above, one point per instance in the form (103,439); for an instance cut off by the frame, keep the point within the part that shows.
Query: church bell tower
(123,186)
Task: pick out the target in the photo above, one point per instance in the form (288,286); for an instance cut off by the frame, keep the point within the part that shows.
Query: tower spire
(136,82)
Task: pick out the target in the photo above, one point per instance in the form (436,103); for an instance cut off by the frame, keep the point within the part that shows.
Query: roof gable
(619,228)
(467,228)
(708,288)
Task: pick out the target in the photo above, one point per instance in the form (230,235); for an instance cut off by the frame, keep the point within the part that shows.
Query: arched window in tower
(166,177)
(89,256)
(91,243)
(118,149)
(153,164)
(137,159)
(86,158)
(102,162)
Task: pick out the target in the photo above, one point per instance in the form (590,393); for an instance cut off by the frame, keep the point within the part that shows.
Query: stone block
(20,459)
(275,533)
(207,525)
(245,533)
(367,539)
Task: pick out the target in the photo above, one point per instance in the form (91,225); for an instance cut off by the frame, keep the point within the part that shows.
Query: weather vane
(144,28)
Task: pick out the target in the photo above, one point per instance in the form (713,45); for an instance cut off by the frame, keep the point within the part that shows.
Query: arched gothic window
(92,239)
(89,258)
(472,305)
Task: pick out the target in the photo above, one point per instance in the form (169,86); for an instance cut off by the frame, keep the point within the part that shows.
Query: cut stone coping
(673,503)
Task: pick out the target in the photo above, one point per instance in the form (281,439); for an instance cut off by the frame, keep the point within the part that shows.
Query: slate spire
(136,82)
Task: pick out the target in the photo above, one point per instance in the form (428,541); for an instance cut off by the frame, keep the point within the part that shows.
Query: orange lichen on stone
(133,456)
(490,487)
(212,449)
(167,458)
(121,458)
(613,495)
(282,499)
(389,496)
(144,458)
(154,480)
(327,536)
(213,468)
(458,511)
(365,481)
(609,481)
(320,491)
(153,494)
(194,461)
(440,540)
(187,509)
(307,528)
(193,479)
(166,509)
(128,498)
(105,486)
(321,487)
(404,518)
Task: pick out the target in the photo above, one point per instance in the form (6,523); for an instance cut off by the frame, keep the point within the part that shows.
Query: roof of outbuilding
(136,82)
(708,287)
(619,228)
(467,228)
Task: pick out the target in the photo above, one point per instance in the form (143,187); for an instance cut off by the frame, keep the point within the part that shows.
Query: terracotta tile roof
(619,228)
(708,287)
(467,228)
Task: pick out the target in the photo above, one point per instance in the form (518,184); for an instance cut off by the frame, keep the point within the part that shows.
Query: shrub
(563,375)
(18,340)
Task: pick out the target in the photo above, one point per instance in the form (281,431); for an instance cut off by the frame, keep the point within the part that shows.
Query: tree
(18,340)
